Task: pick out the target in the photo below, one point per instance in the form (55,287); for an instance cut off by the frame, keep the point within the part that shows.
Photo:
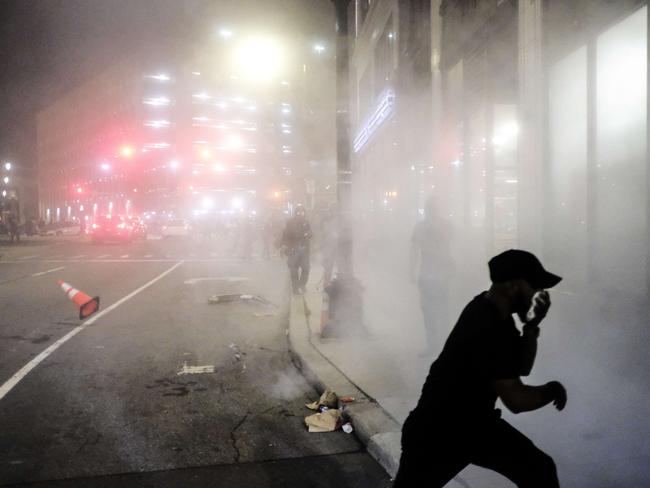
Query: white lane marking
(49,271)
(29,257)
(15,379)
(124,256)
(195,369)
(231,279)
(103,256)
(78,257)
(148,256)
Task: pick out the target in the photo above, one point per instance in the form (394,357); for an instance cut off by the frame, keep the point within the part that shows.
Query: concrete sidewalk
(363,368)
(598,440)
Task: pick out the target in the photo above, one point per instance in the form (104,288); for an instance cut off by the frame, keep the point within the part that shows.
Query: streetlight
(319,48)
(8,165)
(259,59)
(6,180)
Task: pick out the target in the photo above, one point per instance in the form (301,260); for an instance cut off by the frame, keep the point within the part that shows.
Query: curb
(377,430)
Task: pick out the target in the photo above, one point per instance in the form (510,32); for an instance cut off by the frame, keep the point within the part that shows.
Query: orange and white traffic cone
(86,304)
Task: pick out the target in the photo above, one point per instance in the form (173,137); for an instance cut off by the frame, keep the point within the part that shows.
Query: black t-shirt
(297,234)
(481,348)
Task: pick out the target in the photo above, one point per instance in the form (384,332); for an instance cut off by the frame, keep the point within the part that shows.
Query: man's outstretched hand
(558,392)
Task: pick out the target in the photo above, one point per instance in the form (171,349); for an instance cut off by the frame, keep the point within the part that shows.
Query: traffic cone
(86,304)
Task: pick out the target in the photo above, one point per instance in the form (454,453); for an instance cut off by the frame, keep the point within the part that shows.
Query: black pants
(433,300)
(432,457)
(298,262)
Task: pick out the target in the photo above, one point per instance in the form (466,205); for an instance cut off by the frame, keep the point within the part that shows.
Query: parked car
(110,228)
(175,228)
(61,229)
(139,227)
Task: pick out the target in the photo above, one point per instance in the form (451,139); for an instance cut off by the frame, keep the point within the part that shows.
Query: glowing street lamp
(319,48)
(6,180)
(259,59)
(8,165)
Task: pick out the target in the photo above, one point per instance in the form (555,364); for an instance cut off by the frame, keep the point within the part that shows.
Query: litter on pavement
(195,369)
(327,421)
(237,297)
(328,399)
(329,417)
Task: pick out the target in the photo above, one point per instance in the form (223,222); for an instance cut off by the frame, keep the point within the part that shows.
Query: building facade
(183,135)
(525,120)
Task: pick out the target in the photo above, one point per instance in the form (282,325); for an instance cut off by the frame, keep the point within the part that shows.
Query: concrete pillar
(531,126)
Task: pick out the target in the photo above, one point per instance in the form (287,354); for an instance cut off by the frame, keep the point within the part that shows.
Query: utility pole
(346,306)
(344,168)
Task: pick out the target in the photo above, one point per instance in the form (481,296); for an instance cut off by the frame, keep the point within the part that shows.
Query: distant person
(329,243)
(432,267)
(14,233)
(455,423)
(295,243)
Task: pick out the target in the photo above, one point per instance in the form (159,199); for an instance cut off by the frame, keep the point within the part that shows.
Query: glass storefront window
(621,163)
(567,202)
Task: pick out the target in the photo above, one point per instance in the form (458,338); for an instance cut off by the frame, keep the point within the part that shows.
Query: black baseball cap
(516,264)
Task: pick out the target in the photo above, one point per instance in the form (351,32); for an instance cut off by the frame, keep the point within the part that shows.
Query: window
(621,188)
(567,214)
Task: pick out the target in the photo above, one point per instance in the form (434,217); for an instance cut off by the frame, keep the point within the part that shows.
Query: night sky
(47,47)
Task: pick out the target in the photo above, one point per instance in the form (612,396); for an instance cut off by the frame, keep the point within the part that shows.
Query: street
(117,404)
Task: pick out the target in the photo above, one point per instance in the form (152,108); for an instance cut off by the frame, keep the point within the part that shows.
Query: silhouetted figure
(455,422)
(432,266)
(14,233)
(295,243)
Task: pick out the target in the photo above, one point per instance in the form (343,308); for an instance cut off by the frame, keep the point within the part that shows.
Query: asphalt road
(108,407)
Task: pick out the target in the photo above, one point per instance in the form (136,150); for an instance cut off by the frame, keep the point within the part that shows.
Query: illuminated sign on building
(383,110)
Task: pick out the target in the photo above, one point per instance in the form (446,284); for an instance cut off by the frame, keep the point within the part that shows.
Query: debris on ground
(330,416)
(236,352)
(195,369)
(328,399)
(238,297)
(327,421)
